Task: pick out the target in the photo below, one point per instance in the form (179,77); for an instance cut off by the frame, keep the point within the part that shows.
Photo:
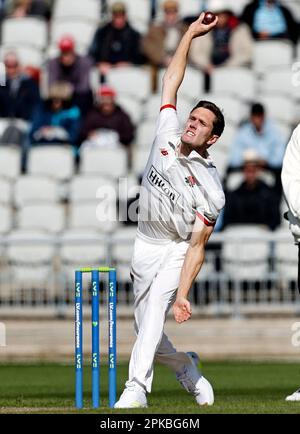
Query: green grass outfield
(240,387)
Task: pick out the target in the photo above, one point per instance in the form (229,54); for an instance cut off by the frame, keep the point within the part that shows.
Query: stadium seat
(80,29)
(46,217)
(239,82)
(226,140)
(10,162)
(139,160)
(187,8)
(25,31)
(131,106)
(282,81)
(286,255)
(56,161)
(246,252)
(220,158)
(84,187)
(137,79)
(98,215)
(235,6)
(294,8)
(270,54)
(30,259)
(87,9)
(5,191)
(145,134)
(29,56)
(192,85)
(123,243)
(35,189)
(105,162)
(153,104)
(235,111)
(279,107)
(139,13)
(6,218)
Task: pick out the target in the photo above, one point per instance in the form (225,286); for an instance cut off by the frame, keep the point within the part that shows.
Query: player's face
(198,129)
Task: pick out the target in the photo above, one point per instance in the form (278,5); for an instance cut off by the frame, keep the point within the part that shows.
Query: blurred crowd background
(81,98)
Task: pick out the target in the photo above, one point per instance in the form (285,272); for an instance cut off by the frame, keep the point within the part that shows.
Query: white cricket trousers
(155,271)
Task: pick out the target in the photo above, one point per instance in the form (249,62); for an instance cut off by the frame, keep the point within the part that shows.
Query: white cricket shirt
(175,189)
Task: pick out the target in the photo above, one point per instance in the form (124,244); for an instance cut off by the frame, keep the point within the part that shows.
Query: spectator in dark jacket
(117,43)
(20,96)
(107,115)
(57,120)
(25,8)
(74,69)
(268,19)
(253,202)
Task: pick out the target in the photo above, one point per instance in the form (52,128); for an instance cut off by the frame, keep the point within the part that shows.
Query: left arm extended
(192,264)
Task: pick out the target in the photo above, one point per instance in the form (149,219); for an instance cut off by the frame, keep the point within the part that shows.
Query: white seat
(239,82)
(220,158)
(131,106)
(30,254)
(234,110)
(138,13)
(89,9)
(5,191)
(279,107)
(29,189)
(145,134)
(152,106)
(105,162)
(286,255)
(294,8)
(226,139)
(83,248)
(132,80)
(270,54)
(100,216)
(10,161)
(245,252)
(29,56)
(139,160)
(235,6)
(46,217)
(85,187)
(56,161)
(122,251)
(192,85)
(6,218)
(80,29)
(27,31)
(282,81)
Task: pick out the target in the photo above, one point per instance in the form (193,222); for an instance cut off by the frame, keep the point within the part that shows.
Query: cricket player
(181,197)
(290,177)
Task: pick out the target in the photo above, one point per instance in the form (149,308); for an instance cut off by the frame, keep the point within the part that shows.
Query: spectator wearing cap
(74,69)
(116,43)
(25,8)
(57,120)
(263,136)
(269,19)
(253,202)
(162,39)
(228,44)
(106,114)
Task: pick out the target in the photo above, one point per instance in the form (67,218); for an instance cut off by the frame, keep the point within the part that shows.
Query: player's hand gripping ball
(209,17)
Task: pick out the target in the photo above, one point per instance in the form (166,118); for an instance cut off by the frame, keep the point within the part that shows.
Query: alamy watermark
(296,334)
(2,335)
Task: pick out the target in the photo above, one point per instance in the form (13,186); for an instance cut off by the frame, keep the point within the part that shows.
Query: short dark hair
(257,109)
(219,122)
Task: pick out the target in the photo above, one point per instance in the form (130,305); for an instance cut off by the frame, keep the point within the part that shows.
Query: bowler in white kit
(180,200)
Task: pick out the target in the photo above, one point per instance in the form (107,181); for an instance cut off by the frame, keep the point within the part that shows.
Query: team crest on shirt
(191,181)
(164,152)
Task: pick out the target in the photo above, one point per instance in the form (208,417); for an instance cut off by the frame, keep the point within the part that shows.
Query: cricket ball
(209,17)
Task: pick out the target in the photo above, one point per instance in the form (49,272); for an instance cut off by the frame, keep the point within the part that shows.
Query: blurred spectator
(20,96)
(117,43)
(253,202)
(269,19)
(162,39)
(74,69)
(57,120)
(228,44)
(261,135)
(25,8)
(106,115)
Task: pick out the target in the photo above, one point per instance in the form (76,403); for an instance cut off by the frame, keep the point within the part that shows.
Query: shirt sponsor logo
(162,185)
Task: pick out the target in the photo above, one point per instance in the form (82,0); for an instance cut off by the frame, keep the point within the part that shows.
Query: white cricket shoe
(133,396)
(294,397)
(192,380)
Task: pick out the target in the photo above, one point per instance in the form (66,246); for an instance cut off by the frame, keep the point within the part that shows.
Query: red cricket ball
(209,17)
